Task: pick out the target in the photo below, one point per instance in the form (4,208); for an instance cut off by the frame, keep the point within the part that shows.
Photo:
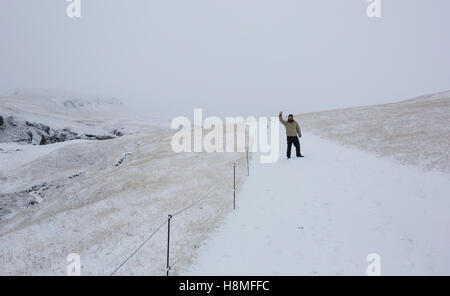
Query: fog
(229,57)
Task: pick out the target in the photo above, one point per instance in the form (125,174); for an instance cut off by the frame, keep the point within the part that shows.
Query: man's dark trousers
(296,142)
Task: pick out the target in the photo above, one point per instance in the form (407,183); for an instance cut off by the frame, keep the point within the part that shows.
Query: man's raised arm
(281,119)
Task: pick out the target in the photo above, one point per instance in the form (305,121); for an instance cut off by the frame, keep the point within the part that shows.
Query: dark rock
(30,137)
(43,141)
(10,121)
(104,137)
(17,130)
(1,121)
(117,133)
(122,159)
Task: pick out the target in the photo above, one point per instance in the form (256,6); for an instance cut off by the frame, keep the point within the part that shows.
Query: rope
(135,251)
(159,228)
(162,224)
(190,206)
(239,185)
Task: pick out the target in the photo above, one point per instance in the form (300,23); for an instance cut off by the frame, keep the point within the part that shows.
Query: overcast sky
(229,57)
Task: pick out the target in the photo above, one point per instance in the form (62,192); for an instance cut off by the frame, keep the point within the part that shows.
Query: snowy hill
(99,199)
(414,132)
(376,181)
(43,117)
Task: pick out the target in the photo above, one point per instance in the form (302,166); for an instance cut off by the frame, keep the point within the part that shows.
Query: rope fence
(138,248)
(190,206)
(189,251)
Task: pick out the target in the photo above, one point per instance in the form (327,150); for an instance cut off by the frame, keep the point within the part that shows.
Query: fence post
(168,245)
(248,168)
(234,186)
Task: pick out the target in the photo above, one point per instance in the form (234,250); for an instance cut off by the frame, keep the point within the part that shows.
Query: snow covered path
(323,214)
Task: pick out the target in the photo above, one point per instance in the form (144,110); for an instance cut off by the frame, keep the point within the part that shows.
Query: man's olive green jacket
(292,128)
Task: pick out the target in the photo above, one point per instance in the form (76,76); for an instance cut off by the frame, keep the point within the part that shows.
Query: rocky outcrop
(17,130)
(116,132)
(31,196)
(122,159)
(1,121)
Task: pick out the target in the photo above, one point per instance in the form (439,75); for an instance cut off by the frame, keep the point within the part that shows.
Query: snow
(414,132)
(323,214)
(81,113)
(360,189)
(101,199)
(103,211)
(13,155)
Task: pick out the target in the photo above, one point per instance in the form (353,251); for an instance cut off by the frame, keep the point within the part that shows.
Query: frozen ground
(323,214)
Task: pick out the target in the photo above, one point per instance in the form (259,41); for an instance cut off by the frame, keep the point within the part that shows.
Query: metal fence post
(168,245)
(248,168)
(234,186)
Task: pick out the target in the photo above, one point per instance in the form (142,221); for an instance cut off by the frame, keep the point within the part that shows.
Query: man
(292,130)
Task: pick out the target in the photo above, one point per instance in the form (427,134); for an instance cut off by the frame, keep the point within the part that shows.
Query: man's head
(290,118)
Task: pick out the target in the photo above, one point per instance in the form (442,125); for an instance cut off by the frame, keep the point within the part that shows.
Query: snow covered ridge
(51,194)
(42,117)
(49,102)
(413,132)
